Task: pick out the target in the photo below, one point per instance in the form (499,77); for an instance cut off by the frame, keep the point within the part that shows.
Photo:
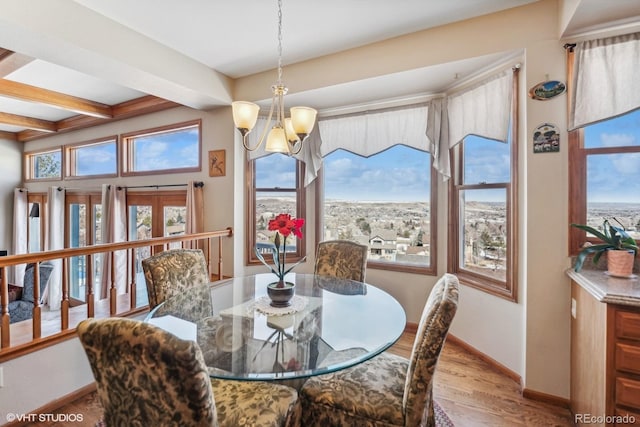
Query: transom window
(92,158)
(168,149)
(43,165)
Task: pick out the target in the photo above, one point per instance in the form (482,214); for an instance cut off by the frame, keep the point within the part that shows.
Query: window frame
(578,170)
(250,223)
(127,151)
(29,164)
(71,159)
(509,288)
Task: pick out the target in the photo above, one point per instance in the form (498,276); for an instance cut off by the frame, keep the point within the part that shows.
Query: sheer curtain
(309,154)
(605,79)
(20,208)
(52,294)
(195,213)
(114,229)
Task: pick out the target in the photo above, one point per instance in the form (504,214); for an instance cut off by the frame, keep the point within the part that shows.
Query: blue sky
(397,174)
(167,151)
(613,177)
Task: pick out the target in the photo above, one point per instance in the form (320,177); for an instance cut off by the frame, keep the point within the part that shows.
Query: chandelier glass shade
(287,133)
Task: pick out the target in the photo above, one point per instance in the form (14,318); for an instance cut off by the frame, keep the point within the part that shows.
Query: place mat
(263,305)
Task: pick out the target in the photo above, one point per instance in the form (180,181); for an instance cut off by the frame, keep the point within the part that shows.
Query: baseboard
(546,398)
(489,360)
(54,405)
(526,393)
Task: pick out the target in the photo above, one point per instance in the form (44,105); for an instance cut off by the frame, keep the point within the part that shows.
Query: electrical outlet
(573,308)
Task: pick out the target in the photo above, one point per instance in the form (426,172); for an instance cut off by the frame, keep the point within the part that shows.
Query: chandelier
(287,134)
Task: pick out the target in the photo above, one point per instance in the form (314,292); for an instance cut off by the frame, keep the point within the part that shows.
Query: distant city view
(627,214)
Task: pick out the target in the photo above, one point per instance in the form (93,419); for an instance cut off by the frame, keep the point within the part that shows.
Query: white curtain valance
(483,110)
(605,79)
(372,132)
(309,155)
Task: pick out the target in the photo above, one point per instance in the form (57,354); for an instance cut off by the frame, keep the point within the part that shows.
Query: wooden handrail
(127,305)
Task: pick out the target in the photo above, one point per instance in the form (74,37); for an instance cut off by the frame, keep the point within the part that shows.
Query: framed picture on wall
(546,138)
(217,163)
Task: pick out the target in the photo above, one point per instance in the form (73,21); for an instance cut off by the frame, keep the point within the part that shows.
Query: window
(605,175)
(275,186)
(385,201)
(92,159)
(168,149)
(150,215)
(84,220)
(43,165)
(482,237)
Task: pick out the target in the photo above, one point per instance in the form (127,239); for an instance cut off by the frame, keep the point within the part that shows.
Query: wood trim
(489,360)
(545,398)
(8,135)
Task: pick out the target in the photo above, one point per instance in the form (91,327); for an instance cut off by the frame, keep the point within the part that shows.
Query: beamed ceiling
(75,112)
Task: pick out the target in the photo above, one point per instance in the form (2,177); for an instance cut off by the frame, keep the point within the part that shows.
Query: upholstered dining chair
(147,376)
(170,272)
(341,258)
(387,390)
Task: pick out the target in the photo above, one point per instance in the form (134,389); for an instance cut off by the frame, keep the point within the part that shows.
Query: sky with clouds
(614,177)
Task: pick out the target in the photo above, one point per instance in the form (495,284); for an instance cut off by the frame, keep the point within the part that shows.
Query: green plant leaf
(593,231)
(261,258)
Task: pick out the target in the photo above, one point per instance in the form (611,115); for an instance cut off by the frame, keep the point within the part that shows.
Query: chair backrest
(146,376)
(46,268)
(170,272)
(341,258)
(432,331)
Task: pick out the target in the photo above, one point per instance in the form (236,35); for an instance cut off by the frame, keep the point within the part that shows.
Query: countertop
(608,289)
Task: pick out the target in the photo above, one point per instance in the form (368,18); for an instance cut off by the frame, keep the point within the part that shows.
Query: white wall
(10,178)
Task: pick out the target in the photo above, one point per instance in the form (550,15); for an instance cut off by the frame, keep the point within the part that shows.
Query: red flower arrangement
(283,224)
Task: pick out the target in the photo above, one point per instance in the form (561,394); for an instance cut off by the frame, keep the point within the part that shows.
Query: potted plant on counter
(620,247)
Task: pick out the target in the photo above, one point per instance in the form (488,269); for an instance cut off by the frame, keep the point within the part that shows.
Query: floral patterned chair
(148,377)
(387,390)
(170,272)
(341,258)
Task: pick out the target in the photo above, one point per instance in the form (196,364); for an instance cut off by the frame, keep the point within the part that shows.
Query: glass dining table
(330,325)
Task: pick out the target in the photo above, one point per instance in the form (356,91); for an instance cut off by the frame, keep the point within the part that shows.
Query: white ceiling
(235,38)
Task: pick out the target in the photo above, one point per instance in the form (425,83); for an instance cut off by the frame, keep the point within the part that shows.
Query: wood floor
(470,391)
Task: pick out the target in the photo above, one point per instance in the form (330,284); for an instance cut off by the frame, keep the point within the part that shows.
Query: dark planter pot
(281,296)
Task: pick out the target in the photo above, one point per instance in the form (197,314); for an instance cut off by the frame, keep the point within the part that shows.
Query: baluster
(133,286)
(37,309)
(219,258)
(112,289)
(90,286)
(64,305)
(4,301)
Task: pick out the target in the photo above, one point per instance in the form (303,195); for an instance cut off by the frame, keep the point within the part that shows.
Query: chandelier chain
(279,42)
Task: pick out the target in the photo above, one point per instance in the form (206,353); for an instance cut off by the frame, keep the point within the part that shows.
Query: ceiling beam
(8,135)
(27,122)
(136,107)
(24,92)
(11,61)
